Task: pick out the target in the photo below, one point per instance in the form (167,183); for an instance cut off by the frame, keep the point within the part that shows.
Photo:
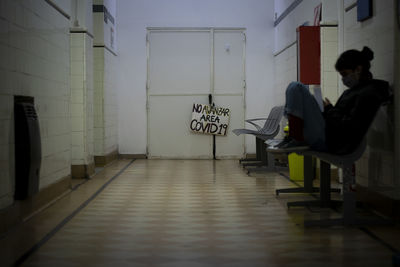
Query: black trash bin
(28,152)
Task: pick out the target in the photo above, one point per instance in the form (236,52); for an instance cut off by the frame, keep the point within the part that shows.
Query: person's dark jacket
(348,121)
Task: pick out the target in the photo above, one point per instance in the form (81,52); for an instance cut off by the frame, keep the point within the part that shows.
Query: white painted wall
(280,6)
(133,19)
(35,64)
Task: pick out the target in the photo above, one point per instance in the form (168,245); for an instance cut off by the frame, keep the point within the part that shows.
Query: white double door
(184,67)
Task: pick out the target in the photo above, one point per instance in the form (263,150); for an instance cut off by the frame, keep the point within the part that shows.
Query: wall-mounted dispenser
(28,152)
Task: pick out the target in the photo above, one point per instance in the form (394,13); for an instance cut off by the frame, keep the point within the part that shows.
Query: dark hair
(350,59)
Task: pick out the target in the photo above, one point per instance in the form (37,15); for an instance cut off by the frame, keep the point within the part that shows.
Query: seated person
(340,128)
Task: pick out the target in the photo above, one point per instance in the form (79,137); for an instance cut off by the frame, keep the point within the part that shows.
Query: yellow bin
(296,163)
(296,167)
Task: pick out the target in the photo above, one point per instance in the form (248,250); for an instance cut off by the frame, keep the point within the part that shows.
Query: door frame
(211,30)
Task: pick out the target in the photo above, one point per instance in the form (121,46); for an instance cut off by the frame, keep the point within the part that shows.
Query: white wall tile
(106,112)
(5,106)
(377,33)
(82,97)
(77,40)
(5,184)
(77,110)
(77,68)
(330,34)
(77,55)
(8,10)
(330,49)
(77,155)
(77,82)
(6,128)
(77,96)
(7,131)
(77,124)
(58,127)
(330,79)
(6,84)
(329,63)
(6,199)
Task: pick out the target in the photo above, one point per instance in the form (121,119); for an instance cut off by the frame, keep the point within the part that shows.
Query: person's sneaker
(285,141)
(288,146)
(273,142)
(278,142)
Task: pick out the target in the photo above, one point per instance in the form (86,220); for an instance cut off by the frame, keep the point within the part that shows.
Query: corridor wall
(37,65)
(376,171)
(289,15)
(82,105)
(82,143)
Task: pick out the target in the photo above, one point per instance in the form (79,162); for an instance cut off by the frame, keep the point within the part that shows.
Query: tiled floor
(191,213)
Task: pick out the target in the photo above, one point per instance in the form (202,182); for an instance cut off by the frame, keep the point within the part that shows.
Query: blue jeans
(300,103)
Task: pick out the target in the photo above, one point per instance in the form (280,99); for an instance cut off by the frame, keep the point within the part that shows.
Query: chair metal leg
(248,160)
(308,181)
(263,163)
(349,217)
(259,147)
(324,189)
(297,190)
(358,221)
(253,164)
(268,163)
(260,169)
(315,203)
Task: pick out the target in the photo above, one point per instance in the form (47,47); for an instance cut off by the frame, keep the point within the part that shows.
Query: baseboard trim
(250,156)
(22,210)
(382,204)
(82,171)
(132,156)
(101,161)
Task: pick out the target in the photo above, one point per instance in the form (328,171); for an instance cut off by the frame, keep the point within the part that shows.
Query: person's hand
(327,102)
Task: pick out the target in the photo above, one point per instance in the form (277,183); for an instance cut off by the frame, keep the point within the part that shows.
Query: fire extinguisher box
(309,54)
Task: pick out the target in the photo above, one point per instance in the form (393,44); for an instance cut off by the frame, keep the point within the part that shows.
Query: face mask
(350,80)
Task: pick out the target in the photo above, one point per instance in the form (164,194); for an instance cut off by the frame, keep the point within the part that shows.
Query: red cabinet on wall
(308,53)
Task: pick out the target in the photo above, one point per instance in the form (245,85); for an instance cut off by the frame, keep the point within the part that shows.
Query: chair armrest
(257,119)
(258,127)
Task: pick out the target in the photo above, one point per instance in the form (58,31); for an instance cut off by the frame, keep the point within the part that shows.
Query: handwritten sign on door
(207,119)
